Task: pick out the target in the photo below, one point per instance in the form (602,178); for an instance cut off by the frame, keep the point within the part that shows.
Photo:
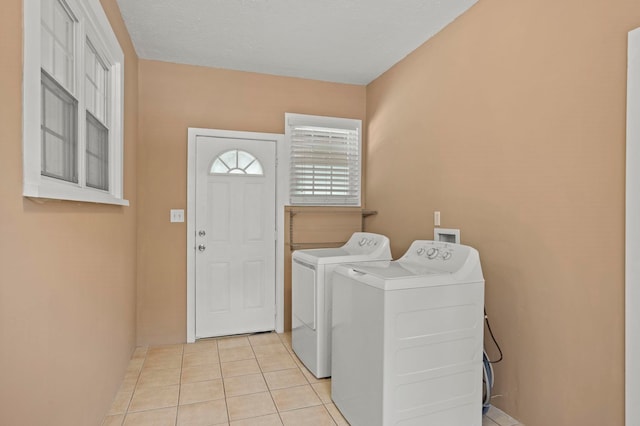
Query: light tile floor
(247,380)
(497,417)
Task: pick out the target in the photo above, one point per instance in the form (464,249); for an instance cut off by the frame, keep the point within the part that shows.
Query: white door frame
(281,200)
(632,237)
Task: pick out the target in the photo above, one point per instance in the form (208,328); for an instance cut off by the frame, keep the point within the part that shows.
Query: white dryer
(407,338)
(311,295)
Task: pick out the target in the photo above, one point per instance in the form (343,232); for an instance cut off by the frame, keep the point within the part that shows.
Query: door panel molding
(281,191)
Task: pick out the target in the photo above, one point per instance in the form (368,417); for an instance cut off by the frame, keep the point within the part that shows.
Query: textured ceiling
(346,41)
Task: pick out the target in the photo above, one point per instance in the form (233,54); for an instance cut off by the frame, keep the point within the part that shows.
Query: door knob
(202,247)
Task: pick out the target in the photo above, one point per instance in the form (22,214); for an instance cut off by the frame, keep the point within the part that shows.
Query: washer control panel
(435,250)
(366,242)
(435,256)
(428,257)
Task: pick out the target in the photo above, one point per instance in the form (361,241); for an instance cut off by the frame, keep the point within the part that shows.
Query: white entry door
(235,236)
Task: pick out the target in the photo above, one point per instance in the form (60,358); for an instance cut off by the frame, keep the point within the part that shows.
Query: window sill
(85,195)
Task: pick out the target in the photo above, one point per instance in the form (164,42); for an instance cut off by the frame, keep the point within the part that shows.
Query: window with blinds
(324,161)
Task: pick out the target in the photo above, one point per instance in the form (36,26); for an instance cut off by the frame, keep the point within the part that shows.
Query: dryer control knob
(446,255)
(420,251)
(432,253)
(362,242)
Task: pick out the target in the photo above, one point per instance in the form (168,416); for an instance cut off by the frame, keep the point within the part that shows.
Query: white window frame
(322,121)
(94,25)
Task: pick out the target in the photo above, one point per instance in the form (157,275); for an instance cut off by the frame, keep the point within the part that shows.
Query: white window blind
(325,161)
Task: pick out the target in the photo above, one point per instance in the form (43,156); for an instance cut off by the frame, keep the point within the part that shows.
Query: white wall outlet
(436,218)
(177,215)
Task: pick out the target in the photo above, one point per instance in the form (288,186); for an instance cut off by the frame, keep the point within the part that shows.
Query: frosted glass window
(59,108)
(236,161)
(58,131)
(96,78)
(97,156)
(56,36)
(96,102)
(73,102)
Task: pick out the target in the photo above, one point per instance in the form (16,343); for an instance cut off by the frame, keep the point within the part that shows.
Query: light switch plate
(177,215)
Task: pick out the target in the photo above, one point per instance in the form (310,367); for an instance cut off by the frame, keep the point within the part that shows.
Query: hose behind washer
(488,382)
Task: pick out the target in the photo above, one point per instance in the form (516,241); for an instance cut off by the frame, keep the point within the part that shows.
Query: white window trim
(96,26)
(321,121)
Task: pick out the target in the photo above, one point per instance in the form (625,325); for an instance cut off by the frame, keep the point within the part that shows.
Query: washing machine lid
(392,270)
(361,247)
(396,277)
(420,266)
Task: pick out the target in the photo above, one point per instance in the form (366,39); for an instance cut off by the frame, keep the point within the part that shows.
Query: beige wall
(67,271)
(511,122)
(172,99)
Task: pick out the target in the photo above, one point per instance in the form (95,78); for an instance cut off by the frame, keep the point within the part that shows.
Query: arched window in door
(238,162)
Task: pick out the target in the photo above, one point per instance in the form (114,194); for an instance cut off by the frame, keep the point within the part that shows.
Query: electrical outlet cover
(177,215)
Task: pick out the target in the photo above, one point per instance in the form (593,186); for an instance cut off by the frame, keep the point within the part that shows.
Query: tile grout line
(299,367)
(179,384)
(265,381)
(135,386)
(224,387)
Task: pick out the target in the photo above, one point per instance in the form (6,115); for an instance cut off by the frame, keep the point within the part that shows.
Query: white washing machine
(407,338)
(311,295)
